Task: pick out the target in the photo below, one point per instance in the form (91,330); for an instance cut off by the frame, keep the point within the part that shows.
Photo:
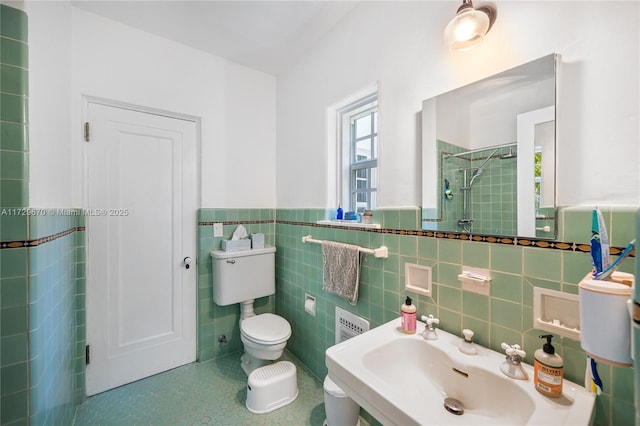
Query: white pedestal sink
(404,379)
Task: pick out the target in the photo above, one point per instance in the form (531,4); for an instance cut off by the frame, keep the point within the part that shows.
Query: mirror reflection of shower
(488,206)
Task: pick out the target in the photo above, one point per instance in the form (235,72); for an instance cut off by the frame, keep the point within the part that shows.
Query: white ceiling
(264,35)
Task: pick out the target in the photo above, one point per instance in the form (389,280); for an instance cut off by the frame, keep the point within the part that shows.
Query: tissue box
(236,245)
(257,241)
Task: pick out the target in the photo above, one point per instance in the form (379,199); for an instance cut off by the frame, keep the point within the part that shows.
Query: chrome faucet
(511,367)
(429,332)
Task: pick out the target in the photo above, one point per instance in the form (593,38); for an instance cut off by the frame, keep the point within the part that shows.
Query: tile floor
(208,393)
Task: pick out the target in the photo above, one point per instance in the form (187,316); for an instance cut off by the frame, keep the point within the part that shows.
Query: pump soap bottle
(408,315)
(339,213)
(547,366)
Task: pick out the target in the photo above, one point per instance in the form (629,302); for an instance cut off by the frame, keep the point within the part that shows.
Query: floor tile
(208,393)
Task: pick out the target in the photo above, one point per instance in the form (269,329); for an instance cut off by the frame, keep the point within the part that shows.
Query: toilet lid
(266,328)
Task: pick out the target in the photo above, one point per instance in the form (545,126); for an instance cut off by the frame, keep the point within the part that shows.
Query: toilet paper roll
(310,306)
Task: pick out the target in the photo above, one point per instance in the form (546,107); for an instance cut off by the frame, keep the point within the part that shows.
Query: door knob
(187,262)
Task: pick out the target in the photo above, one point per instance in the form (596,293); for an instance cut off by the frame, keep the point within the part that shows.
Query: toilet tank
(243,275)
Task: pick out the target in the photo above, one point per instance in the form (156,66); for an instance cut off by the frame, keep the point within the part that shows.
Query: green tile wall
(504,316)
(213,320)
(41,330)
(14,159)
(493,198)
(42,265)
(450,209)
(494,194)
(14,266)
(79,325)
(52,341)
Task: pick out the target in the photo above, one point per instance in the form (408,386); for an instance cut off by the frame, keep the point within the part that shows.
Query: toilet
(264,338)
(241,277)
(339,408)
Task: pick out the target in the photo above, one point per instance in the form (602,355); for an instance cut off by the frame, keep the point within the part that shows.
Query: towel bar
(381,252)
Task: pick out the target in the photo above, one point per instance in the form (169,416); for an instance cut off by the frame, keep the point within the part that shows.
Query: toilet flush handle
(187,262)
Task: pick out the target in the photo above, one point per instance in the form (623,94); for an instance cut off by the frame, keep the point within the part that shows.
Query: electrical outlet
(217,229)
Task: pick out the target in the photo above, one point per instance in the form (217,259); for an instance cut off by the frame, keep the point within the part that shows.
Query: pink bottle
(408,317)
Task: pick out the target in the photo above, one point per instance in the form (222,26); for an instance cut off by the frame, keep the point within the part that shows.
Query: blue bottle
(339,213)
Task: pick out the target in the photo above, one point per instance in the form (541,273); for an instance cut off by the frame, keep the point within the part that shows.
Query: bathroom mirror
(488,148)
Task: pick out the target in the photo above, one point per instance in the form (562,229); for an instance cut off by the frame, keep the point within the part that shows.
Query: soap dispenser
(408,314)
(547,369)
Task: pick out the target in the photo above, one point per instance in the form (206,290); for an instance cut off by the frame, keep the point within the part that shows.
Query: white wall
(397,44)
(400,45)
(236,105)
(50,147)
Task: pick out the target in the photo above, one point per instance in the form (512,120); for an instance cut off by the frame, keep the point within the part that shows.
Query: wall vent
(349,325)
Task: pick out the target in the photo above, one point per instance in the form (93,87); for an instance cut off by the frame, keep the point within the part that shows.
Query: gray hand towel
(341,270)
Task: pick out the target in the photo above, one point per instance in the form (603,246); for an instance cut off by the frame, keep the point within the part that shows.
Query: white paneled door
(140,228)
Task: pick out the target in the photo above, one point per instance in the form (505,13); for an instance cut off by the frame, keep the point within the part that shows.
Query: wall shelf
(349,224)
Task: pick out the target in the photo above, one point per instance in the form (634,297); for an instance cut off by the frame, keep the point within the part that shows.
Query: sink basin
(404,379)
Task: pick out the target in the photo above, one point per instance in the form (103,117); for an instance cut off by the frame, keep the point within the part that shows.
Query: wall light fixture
(468,28)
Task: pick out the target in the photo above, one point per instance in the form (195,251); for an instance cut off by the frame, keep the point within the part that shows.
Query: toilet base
(250,363)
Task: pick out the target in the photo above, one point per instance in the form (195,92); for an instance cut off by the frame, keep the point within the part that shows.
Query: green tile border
(494,240)
(498,240)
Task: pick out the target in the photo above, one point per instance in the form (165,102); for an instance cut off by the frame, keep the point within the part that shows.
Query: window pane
(375,146)
(363,150)
(363,126)
(362,203)
(374,178)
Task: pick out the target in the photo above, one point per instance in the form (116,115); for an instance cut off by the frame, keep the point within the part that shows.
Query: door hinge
(86,132)
(87,357)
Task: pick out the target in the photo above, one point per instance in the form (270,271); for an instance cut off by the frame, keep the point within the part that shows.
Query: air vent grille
(349,325)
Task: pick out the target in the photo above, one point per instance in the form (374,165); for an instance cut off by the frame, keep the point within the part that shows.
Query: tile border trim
(237,222)
(40,241)
(492,239)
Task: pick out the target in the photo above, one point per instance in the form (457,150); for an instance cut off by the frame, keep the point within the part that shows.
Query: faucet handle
(468,334)
(512,350)
(430,320)
(429,332)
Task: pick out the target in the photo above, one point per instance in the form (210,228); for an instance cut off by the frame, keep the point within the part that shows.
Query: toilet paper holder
(310,304)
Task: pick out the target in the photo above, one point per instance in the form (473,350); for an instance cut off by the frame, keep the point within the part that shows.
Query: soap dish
(475,280)
(417,278)
(556,312)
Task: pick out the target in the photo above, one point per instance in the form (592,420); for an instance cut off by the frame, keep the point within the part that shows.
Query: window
(358,124)
(537,176)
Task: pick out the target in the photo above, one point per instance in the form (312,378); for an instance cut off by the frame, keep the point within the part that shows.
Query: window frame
(349,165)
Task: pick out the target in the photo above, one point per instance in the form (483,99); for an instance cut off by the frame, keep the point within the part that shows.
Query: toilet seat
(267,329)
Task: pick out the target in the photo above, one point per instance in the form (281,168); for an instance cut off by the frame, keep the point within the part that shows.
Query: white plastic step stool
(271,387)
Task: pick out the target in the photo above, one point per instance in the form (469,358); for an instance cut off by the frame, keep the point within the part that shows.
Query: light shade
(469,26)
